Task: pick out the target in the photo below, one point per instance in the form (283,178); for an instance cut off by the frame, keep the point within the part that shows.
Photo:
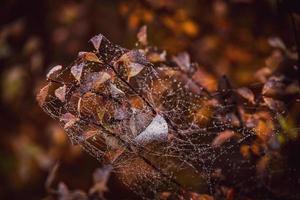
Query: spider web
(158,127)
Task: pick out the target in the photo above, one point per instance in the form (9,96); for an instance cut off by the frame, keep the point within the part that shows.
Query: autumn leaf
(247,94)
(156,131)
(142,35)
(76,71)
(60,93)
(42,95)
(222,137)
(96,41)
(89,56)
(53,71)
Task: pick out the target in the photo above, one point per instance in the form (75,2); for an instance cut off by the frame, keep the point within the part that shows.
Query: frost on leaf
(156,131)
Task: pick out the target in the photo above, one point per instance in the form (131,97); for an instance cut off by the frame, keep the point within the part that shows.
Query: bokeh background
(225,37)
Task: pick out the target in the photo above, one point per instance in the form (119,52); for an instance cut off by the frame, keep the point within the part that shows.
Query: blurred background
(224,36)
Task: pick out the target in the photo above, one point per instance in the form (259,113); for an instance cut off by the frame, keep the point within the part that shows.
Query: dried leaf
(262,74)
(157,56)
(135,69)
(51,176)
(69,120)
(42,95)
(102,77)
(247,94)
(60,93)
(76,71)
(183,61)
(222,138)
(134,61)
(274,86)
(274,105)
(277,43)
(96,41)
(101,177)
(142,35)
(115,92)
(89,56)
(156,131)
(53,71)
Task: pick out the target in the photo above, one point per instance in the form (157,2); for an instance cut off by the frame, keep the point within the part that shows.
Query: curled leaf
(42,95)
(273,104)
(246,93)
(222,138)
(274,86)
(54,70)
(89,56)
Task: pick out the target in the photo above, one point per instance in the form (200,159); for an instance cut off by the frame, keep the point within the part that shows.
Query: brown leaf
(156,131)
(247,94)
(76,71)
(69,120)
(142,35)
(183,61)
(96,41)
(102,77)
(263,74)
(60,93)
(115,92)
(134,61)
(135,69)
(273,86)
(157,56)
(42,95)
(101,177)
(274,105)
(51,176)
(89,56)
(222,138)
(53,71)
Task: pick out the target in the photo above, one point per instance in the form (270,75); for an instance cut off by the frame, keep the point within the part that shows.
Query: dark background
(225,37)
